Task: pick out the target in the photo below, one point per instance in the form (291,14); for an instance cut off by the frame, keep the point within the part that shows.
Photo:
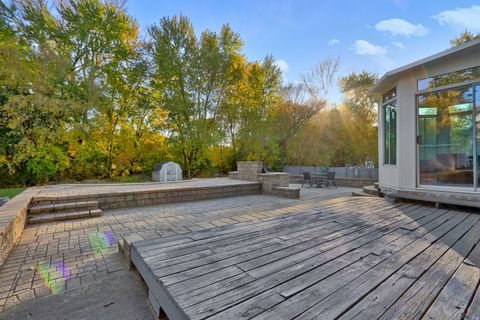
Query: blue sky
(367,35)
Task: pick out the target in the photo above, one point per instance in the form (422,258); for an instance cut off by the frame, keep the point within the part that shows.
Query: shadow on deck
(349,258)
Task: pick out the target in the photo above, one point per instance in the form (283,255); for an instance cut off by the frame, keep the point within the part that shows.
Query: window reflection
(477,124)
(390,139)
(389,95)
(445,123)
(449,78)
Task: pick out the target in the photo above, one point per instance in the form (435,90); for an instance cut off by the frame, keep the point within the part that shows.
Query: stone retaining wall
(358,183)
(291,193)
(248,170)
(150,197)
(252,171)
(272,180)
(13,215)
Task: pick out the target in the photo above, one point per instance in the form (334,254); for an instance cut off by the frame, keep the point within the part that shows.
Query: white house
(429,128)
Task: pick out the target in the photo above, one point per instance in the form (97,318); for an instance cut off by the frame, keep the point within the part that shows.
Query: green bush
(48,162)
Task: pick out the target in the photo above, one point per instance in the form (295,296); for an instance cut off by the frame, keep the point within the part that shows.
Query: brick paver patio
(79,247)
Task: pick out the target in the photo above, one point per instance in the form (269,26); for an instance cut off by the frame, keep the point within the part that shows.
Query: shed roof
(386,82)
(160,165)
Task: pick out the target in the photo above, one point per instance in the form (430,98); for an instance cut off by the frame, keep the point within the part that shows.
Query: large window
(446,137)
(477,127)
(390,127)
(449,78)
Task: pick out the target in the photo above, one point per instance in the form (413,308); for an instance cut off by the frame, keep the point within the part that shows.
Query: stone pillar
(248,170)
(272,182)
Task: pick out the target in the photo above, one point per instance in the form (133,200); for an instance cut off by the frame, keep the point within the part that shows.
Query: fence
(340,172)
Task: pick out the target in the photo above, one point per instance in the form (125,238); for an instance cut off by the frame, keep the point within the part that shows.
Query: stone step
(63,207)
(360,194)
(371,190)
(62,216)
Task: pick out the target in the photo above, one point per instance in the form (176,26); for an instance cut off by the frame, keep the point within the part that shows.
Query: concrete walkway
(63,256)
(122,296)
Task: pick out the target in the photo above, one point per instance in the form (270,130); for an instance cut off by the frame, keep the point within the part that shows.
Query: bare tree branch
(320,78)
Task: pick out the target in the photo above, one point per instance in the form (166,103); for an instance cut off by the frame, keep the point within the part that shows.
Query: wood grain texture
(350,258)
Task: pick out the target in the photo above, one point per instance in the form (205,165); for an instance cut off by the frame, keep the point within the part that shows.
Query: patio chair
(307,178)
(330,179)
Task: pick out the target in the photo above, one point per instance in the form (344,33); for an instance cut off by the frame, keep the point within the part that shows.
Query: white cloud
(282,64)
(398,45)
(377,54)
(364,47)
(333,42)
(400,27)
(461,18)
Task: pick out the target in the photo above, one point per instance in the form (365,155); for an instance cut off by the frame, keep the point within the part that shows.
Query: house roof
(385,82)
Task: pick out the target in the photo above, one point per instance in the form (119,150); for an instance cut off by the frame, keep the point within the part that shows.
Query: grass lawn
(10,192)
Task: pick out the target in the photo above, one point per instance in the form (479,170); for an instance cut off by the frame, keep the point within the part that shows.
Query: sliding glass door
(446,135)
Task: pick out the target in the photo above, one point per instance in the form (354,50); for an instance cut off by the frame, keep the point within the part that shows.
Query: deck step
(63,207)
(62,216)
(360,194)
(371,190)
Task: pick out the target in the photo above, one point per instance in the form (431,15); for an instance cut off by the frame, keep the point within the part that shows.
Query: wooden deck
(351,258)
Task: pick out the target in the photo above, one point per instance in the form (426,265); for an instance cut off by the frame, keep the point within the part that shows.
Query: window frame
(448,85)
(474,84)
(389,159)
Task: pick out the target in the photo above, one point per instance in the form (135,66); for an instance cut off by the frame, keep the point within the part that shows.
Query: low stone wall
(286,192)
(252,171)
(150,197)
(296,179)
(248,170)
(13,215)
(358,183)
(273,179)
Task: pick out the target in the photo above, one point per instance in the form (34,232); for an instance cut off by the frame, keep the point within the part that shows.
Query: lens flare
(54,276)
(101,242)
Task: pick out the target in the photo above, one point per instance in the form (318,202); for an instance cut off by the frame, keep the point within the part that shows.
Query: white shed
(167,171)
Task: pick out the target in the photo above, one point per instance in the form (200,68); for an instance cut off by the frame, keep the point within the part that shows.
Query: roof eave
(394,74)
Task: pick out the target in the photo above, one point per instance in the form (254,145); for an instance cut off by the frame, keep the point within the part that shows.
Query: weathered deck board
(334,305)
(389,291)
(454,298)
(270,258)
(341,297)
(229,232)
(418,298)
(350,258)
(267,257)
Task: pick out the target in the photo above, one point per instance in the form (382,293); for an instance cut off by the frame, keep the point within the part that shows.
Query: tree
(464,37)
(303,101)
(259,95)
(342,135)
(193,75)
(32,106)
(319,80)
(78,82)
(362,107)
(83,97)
